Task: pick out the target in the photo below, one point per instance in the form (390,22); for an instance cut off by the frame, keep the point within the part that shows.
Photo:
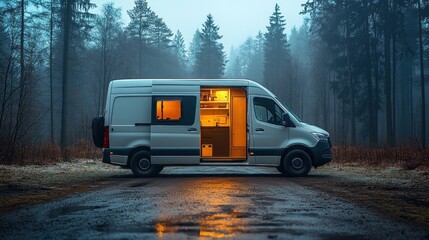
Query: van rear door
(175,129)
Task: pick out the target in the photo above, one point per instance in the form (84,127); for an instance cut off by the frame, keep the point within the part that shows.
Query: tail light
(106,142)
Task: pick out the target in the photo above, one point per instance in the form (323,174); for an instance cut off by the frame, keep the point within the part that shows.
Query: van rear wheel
(141,165)
(160,168)
(297,163)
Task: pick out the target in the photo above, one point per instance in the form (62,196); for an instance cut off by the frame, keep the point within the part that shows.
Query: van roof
(201,82)
(132,83)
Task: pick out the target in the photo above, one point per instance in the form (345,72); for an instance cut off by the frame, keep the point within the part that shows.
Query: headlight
(320,136)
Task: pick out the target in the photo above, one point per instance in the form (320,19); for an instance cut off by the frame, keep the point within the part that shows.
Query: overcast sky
(237,19)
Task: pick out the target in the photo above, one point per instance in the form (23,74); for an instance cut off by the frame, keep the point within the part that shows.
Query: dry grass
(405,157)
(51,153)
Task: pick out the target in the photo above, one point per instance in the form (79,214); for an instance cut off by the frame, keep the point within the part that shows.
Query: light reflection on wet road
(203,202)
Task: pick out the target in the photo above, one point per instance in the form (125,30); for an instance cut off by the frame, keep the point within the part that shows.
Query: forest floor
(395,192)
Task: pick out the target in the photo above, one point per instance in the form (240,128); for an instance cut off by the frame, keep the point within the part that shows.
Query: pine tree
(139,21)
(247,51)
(256,64)
(108,28)
(160,35)
(194,48)
(138,29)
(210,61)
(276,53)
(179,49)
(160,39)
(77,23)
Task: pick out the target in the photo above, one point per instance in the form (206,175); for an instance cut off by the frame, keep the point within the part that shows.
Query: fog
(358,69)
(237,19)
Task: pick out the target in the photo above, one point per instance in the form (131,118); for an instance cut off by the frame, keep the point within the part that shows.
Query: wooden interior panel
(238,123)
(238,152)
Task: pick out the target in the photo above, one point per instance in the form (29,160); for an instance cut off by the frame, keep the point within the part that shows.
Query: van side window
(178,110)
(266,110)
(126,110)
(170,110)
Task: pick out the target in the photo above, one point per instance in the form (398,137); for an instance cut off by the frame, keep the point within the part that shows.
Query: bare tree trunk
(140,46)
(422,80)
(377,100)
(350,77)
(411,96)
(352,93)
(19,112)
(334,99)
(394,76)
(100,94)
(387,70)
(370,101)
(104,74)
(376,90)
(6,97)
(21,60)
(51,71)
(343,105)
(325,101)
(65,73)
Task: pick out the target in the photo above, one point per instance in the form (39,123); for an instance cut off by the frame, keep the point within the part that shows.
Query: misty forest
(355,67)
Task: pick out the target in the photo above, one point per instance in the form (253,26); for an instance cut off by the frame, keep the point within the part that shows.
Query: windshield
(289,110)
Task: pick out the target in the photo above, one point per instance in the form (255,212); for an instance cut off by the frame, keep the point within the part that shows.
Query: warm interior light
(225,108)
(222,95)
(168,110)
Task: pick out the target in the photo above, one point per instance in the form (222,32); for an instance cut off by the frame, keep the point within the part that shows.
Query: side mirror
(286,121)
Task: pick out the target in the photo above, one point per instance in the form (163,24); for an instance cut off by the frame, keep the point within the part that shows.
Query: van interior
(223,124)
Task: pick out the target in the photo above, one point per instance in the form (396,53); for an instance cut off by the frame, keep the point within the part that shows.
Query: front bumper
(322,153)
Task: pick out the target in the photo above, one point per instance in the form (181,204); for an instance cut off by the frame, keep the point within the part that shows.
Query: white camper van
(149,124)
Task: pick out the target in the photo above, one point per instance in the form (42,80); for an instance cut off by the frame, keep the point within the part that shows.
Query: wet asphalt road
(202,202)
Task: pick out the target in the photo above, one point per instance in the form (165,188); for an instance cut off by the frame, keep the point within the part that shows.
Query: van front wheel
(297,163)
(141,165)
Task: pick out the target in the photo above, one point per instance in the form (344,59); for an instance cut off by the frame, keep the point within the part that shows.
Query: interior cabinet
(218,137)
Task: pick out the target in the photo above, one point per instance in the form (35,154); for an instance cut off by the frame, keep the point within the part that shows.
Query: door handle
(259,129)
(192,129)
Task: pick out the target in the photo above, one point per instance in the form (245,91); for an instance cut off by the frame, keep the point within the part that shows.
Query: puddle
(207,224)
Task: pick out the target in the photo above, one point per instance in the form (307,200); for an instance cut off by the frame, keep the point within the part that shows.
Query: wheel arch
(297,147)
(136,150)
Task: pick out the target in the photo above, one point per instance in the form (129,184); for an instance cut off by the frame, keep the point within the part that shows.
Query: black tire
(160,168)
(141,165)
(297,163)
